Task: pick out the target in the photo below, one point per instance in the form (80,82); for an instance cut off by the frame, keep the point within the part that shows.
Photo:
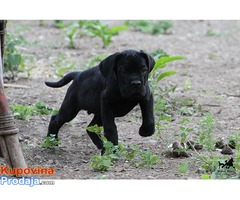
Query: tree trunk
(10,147)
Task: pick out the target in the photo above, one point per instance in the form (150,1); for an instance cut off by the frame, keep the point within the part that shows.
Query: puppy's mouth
(134,92)
(138,91)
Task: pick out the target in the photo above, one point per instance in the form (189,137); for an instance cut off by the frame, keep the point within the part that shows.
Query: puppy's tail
(64,81)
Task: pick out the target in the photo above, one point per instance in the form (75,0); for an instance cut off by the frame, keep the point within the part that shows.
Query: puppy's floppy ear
(107,66)
(150,60)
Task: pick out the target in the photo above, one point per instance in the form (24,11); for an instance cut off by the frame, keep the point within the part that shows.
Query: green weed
(138,157)
(152,27)
(147,159)
(71,33)
(94,61)
(209,164)
(184,133)
(183,168)
(206,127)
(187,85)
(103,31)
(161,63)
(14,60)
(235,138)
(63,64)
(59,24)
(50,142)
(25,112)
(22,112)
(210,33)
(92,28)
(163,106)
(186,111)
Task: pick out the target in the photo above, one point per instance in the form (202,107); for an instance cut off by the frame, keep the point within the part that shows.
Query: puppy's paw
(147,130)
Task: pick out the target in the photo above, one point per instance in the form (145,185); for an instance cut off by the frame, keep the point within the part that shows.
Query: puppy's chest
(122,108)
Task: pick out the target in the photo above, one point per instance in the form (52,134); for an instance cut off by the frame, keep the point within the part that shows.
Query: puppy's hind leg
(96,139)
(68,110)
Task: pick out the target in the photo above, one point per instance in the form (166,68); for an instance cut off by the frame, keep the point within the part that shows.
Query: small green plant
(42,109)
(59,24)
(235,138)
(162,104)
(187,85)
(161,63)
(210,33)
(186,111)
(138,157)
(147,159)
(102,162)
(211,166)
(50,142)
(237,162)
(13,59)
(210,163)
(161,109)
(184,133)
(25,112)
(63,64)
(152,27)
(22,112)
(92,28)
(95,129)
(71,32)
(101,30)
(94,61)
(206,127)
(183,168)
(212,169)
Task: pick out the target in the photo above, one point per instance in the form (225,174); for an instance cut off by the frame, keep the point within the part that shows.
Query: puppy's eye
(144,71)
(123,71)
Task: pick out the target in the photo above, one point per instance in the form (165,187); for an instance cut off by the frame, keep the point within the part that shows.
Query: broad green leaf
(205,176)
(165,74)
(161,63)
(15,59)
(135,148)
(114,30)
(113,156)
(107,162)
(183,168)
(96,129)
(154,159)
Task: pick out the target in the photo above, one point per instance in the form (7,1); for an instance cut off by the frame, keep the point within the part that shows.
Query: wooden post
(9,142)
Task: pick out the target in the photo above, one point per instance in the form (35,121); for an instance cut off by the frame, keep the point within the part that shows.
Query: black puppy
(109,90)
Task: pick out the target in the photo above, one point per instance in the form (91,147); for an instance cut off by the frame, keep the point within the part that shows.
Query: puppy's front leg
(148,125)
(109,126)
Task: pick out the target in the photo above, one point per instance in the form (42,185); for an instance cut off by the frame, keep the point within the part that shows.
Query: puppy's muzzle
(136,84)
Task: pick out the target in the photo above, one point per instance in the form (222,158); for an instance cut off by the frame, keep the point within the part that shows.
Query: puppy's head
(130,68)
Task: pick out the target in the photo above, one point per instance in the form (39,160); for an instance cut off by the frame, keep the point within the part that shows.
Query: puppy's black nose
(136,83)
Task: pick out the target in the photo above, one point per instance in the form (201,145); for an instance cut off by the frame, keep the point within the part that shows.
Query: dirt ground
(212,67)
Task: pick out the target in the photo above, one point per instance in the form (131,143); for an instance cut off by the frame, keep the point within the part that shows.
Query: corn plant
(91,28)
(152,27)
